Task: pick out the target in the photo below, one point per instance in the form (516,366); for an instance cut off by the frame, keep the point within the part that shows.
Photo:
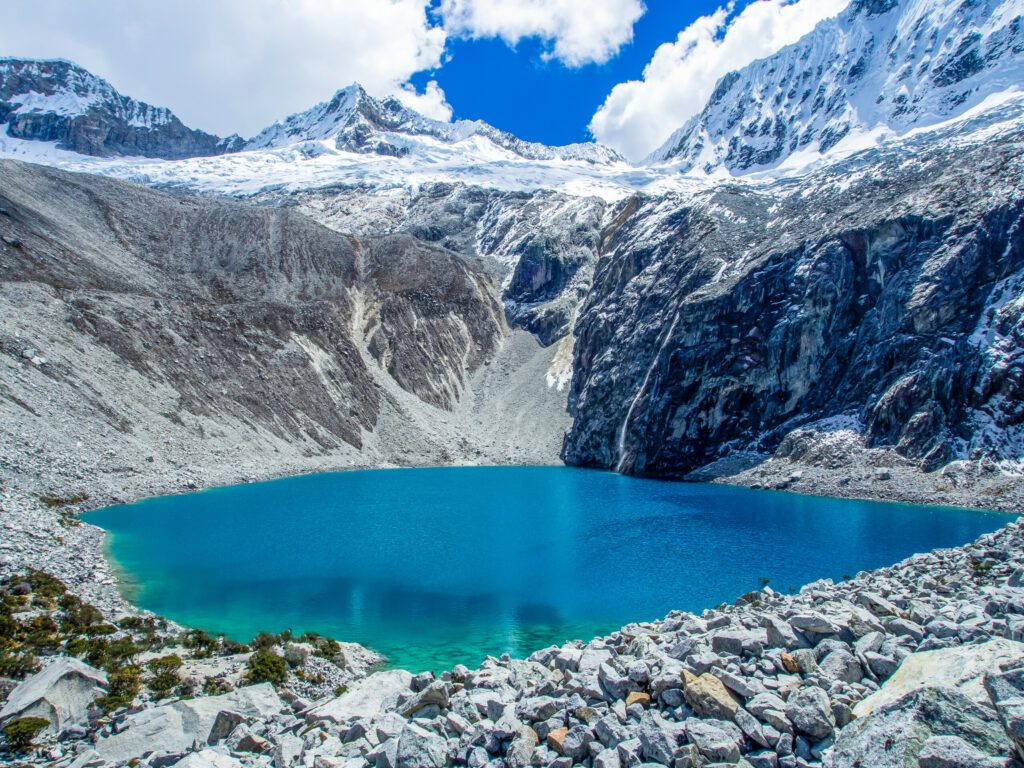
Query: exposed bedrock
(892,297)
(541,246)
(227,314)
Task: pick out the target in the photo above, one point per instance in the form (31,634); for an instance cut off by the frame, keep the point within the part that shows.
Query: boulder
(520,749)
(208,758)
(809,710)
(365,698)
(1006,692)
(708,696)
(718,740)
(435,694)
(61,693)
(657,742)
(174,728)
(419,748)
(894,734)
(962,667)
(954,752)
(842,665)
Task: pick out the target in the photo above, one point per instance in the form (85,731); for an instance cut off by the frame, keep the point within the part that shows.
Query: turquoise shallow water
(435,567)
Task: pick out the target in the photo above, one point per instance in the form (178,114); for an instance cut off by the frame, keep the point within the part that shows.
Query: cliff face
(881,290)
(57,101)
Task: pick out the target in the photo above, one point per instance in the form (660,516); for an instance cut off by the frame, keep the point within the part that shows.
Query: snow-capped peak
(881,65)
(357,122)
(55,100)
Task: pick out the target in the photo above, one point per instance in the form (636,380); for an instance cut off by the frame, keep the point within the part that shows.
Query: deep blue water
(435,567)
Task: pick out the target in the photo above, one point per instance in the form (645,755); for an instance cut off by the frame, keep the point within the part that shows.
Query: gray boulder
(718,740)
(1006,691)
(174,728)
(419,748)
(657,742)
(808,708)
(369,696)
(894,735)
(61,693)
(954,752)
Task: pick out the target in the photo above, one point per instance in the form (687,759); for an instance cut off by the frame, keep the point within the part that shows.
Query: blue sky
(627,72)
(547,101)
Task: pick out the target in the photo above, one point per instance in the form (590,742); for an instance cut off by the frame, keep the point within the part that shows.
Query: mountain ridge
(55,100)
(879,65)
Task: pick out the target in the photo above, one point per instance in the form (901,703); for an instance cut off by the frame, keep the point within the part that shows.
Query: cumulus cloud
(237,65)
(576,32)
(639,115)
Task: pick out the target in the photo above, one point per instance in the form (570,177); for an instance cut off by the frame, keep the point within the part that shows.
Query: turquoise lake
(435,567)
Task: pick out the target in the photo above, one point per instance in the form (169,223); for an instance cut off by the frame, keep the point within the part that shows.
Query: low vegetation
(20,733)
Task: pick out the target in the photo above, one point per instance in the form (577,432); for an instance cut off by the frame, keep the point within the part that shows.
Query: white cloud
(237,65)
(577,32)
(639,115)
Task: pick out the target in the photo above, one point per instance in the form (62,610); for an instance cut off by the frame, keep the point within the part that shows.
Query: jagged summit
(358,122)
(881,66)
(55,100)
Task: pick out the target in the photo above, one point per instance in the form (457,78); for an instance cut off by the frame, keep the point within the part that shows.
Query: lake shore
(955,598)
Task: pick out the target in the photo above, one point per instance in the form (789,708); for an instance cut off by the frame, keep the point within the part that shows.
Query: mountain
(880,68)
(854,313)
(357,122)
(57,101)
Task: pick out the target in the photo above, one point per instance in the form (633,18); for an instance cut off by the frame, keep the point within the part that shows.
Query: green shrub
(20,733)
(230,647)
(215,686)
(16,663)
(265,666)
(328,648)
(164,673)
(264,640)
(45,585)
(123,685)
(120,652)
(200,643)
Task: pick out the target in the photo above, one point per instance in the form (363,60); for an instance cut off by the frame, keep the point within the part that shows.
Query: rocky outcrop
(882,291)
(62,694)
(542,246)
(176,728)
(57,101)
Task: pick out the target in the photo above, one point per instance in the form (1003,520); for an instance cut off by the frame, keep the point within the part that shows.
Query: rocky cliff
(881,291)
(57,101)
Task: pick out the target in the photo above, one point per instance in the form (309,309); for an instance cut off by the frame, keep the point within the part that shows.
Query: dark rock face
(879,290)
(60,102)
(247,315)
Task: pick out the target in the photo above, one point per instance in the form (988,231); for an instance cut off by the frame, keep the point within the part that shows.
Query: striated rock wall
(881,289)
